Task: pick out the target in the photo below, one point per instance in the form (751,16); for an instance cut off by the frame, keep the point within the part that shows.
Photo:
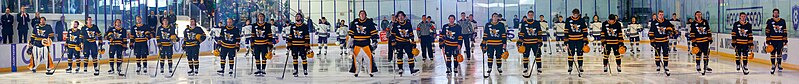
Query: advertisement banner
(383,36)
(754,16)
(17,56)
(723,43)
(21,58)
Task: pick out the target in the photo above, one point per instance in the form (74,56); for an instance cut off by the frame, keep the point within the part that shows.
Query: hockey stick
(485,61)
(155,73)
(529,70)
(285,64)
(130,52)
(54,66)
(251,61)
(455,63)
(579,74)
(395,65)
(63,53)
(234,62)
(176,65)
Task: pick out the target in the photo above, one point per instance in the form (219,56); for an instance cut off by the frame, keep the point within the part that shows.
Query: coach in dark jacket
(8,27)
(60,25)
(152,20)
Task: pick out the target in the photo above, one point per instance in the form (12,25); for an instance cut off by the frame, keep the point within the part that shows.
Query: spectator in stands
(8,27)
(59,29)
(310,24)
(172,17)
(23,23)
(152,20)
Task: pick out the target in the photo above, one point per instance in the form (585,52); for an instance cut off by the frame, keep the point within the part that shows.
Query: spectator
(23,24)
(516,21)
(384,23)
(8,27)
(59,29)
(310,24)
(172,17)
(152,20)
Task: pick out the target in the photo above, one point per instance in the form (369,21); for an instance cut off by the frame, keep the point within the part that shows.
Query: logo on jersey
(611,32)
(450,34)
(190,34)
(72,35)
(531,31)
(228,36)
(494,32)
(575,27)
(742,32)
(139,33)
(41,33)
(259,33)
(701,30)
(90,34)
(361,29)
(164,34)
(297,34)
(116,33)
(404,33)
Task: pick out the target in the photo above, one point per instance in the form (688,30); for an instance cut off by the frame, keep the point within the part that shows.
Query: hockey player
(673,38)
(246,35)
(426,32)
(560,34)
(596,29)
(402,31)
(530,34)
(228,42)
(494,39)
(777,37)
(361,30)
(577,33)
(323,32)
(659,34)
(701,38)
(342,31)
(165,36)
(545,35)
(634,35)
(91,42)
(41,39)
(688,26)
(118,38)
(141,34)
(742,41)
(193,37)
(73,47)
(451,34)
(299,43)
(391,38)
(612,40)
(468,33)
(262,43)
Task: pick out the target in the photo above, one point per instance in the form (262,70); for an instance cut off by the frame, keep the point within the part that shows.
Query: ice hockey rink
(332,68)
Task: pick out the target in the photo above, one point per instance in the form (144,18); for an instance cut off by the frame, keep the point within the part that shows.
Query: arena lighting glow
(493,5)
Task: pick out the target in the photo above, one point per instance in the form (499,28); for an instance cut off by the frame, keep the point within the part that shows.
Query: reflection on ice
(332,68)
